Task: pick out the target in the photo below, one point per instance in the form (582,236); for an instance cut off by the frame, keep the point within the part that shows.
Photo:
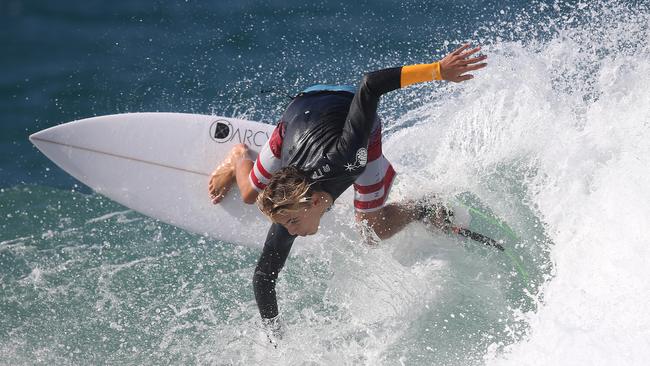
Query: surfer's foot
(223,177)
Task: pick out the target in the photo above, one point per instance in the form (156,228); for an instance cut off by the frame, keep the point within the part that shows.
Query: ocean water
(554,136)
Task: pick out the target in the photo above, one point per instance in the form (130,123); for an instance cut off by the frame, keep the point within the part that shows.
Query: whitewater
(590,139)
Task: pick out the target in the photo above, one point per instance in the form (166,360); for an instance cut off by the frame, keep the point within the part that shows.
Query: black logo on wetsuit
(360,160)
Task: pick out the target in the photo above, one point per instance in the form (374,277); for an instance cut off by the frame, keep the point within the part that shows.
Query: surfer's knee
(373,221)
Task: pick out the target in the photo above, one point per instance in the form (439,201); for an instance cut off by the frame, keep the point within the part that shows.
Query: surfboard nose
(33,138)
(42,137)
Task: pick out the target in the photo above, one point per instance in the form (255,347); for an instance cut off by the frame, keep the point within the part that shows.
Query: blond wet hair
(289,191)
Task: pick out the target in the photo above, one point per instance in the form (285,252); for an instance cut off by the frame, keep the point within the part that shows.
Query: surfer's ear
(315,198)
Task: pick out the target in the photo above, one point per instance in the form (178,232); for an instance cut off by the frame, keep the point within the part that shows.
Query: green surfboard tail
(486,228)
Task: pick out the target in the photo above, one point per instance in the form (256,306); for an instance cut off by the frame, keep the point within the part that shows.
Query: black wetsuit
(325,135)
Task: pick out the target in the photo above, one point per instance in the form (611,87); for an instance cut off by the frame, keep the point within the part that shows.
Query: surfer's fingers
(463,78)
(466,54)
(460,49)
(473,60)
(475,67)
(212,186)
(216,198)
(215,195)
(219,193)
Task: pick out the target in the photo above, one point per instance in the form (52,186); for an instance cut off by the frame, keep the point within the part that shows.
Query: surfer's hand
(220,182)
(454,66)
(273,329)
(223,177)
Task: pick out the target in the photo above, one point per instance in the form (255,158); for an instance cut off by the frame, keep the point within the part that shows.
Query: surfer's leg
(388,220)
(235,167)
(371,190)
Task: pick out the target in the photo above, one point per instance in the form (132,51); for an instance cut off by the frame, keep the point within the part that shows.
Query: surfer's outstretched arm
(363,110)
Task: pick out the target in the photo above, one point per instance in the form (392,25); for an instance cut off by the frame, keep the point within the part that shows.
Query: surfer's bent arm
(268,161)
(276,250)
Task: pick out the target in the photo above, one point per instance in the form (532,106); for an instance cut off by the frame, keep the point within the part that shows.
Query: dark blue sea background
(74,59)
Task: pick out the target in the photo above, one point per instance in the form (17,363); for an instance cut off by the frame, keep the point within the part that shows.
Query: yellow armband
(412,74)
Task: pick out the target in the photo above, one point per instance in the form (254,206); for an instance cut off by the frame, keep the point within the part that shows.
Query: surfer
(329,138)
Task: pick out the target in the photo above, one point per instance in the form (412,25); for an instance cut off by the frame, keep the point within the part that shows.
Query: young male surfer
(328,139)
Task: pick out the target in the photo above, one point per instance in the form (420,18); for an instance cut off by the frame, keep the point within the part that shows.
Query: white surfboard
(159,164)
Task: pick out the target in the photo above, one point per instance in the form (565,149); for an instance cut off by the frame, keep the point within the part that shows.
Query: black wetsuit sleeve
(276,250)
(363,110)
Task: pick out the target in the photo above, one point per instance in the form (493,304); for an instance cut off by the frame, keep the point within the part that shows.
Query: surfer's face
(306,220)
(302,223)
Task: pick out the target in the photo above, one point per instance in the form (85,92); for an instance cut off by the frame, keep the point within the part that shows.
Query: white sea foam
(594,199)
(573,114)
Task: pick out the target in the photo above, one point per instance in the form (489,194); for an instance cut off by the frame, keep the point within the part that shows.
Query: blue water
(553,135)
(82,58)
